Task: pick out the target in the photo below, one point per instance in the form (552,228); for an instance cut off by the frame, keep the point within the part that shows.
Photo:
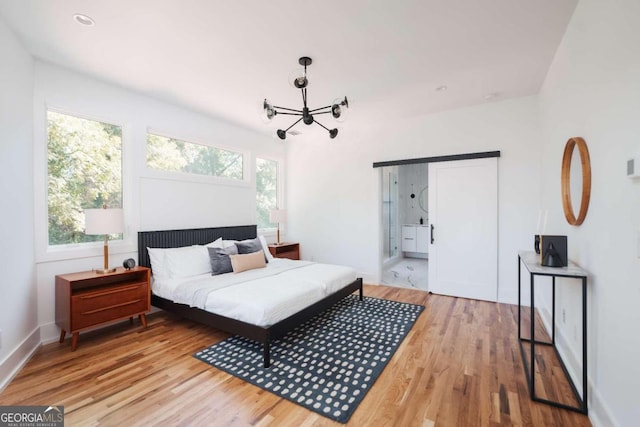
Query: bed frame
(202,236)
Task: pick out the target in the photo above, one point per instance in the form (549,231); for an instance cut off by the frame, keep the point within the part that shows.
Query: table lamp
(278,216)
(104,221)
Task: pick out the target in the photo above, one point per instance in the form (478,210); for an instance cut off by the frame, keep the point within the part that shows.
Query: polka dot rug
(327,364)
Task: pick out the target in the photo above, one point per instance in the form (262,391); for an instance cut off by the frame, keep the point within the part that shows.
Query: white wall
(334,194)
(151,200)
(418,175)
(18,305)
(592,90)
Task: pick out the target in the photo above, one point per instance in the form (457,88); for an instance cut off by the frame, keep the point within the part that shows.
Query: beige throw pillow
(245,262)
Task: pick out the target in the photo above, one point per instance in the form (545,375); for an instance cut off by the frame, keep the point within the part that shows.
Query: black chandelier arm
(287,109)
(315,113)
(326,128)
(304,97)
(290,114)
(295,123)
(321,108)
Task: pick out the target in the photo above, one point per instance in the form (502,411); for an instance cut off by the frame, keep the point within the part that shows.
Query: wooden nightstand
(285,250)
(87,299)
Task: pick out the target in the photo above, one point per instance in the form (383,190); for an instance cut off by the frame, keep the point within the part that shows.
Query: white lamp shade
(277,216)
(103,221)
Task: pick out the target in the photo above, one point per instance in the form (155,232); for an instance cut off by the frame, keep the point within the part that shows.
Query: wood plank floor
(459,366)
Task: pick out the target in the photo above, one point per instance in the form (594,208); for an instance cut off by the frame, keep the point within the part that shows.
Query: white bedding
(261,296)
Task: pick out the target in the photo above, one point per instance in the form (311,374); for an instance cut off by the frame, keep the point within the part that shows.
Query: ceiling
(222,58)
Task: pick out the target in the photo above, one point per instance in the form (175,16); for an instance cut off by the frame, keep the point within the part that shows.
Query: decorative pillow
(265,248)
(228,243)
(220,261)
(188,261)
(250,246)
(245,262)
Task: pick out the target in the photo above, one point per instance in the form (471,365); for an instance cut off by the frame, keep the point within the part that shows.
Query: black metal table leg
(553,311)
(519,299)
(584,344)
(532,389)
(536,270)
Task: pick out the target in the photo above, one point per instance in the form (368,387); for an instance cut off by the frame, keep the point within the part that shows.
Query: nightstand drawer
(98,306)
(285,250)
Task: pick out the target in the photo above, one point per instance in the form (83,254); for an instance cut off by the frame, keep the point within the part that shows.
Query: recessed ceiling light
(441,88)
(84,20)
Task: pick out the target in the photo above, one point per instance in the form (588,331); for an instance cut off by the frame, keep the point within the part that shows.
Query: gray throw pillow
(250,246)
(220,261)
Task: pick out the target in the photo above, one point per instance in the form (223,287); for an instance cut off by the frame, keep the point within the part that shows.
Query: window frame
(46,252)
(280,186)
(194,177)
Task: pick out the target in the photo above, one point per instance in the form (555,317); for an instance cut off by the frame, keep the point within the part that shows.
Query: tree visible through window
(266,190)
(171,154)
(84,160)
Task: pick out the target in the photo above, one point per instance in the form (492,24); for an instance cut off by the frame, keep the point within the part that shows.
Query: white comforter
(262,296)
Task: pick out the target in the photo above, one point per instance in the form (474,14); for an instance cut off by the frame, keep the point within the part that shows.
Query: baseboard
(570,358)
(14,362)
(599,412)
(368,278)
(49,333)
(507,296)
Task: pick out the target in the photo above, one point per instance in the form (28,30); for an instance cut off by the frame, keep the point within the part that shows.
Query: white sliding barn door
(463,217)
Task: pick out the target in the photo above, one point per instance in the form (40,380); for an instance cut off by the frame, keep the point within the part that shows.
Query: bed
(263,330)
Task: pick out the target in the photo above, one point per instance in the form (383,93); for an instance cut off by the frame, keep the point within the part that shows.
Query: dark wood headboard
(194,236)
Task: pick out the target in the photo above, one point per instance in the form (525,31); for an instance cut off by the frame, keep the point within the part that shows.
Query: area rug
(327,364)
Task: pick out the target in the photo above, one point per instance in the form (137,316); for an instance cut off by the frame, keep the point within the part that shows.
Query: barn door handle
(432,234)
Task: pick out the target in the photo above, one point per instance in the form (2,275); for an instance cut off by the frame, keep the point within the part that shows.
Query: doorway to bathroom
(439,224)
(405,219)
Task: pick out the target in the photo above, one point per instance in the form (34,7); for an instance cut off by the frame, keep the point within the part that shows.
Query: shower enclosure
(390,212)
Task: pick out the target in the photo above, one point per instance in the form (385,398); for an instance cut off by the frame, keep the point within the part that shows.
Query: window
(169,154)
(266,190)
(84,165)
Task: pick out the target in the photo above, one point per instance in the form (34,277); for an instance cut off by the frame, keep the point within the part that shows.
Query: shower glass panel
(390,211)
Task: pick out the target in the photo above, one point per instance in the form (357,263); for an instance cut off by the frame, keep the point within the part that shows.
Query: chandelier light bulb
(269,111)
(301,82)
(298,78)
(339,109)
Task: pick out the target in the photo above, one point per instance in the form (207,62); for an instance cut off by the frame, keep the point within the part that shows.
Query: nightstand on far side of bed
(87,299)
(285,250)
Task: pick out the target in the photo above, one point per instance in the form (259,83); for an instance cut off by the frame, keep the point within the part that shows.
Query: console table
(531,261)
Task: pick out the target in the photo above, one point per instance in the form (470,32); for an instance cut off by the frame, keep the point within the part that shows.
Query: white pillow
(215,244)
(265,248)
(156,256)
(188,261)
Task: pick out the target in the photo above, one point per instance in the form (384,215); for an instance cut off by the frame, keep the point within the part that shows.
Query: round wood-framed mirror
(566,181)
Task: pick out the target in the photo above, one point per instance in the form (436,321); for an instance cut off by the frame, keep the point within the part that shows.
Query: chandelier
(300,81)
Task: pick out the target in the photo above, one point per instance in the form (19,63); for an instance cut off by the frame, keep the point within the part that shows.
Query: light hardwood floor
(459,366)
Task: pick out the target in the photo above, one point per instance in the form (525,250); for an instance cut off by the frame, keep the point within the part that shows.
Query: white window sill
(84,250)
